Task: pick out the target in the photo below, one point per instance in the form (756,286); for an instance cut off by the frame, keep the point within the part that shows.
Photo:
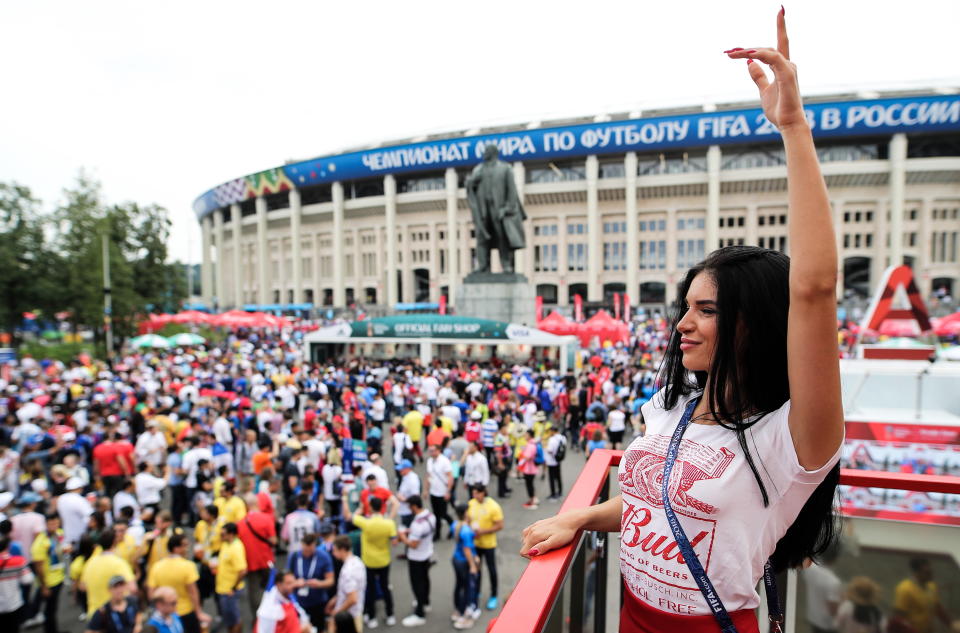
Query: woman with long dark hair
(736,476)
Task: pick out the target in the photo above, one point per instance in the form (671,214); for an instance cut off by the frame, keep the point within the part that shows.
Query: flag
(616,306)
(626,308)
(577,308)
(539,304)
(443,304)
(525,385)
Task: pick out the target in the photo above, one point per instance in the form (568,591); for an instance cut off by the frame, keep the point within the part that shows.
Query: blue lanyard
(117,622)
(693,563)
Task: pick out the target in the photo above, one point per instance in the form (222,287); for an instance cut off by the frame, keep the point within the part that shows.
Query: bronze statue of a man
(497,211)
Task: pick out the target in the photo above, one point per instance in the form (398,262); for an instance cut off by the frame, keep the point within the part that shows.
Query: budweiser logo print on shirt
(647,545)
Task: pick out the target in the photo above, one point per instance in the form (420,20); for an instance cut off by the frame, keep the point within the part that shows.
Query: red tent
(191,316)
(154,322)
(948,325)
(899,327)
(556,323)
(604,327)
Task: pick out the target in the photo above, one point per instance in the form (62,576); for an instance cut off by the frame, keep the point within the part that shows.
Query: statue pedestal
(505,297)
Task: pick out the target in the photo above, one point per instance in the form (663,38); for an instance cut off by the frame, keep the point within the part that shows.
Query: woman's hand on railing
(560,530)
(549,534)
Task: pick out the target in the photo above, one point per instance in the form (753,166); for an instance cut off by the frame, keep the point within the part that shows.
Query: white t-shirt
(74,511)
(330,474)
(616,420)
(476,470)
(550,451)
(437,471)
(152,448)
(453,412)
(718,503)
(409,486)
(421,530)
(353,577)
(149,488)
(430,387)
(191,463)
(823,587)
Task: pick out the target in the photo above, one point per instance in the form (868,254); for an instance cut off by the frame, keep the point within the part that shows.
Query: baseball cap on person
(476,415)
(405,464)
(326,527)
(74,483)
(29,497)
(116,580)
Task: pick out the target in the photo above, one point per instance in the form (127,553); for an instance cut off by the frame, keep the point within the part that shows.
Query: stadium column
(235,220)
(633,237)
(453,270)
(263,257)
(390,265)
(297,264)
(206,271)
(922,265)
(673,272)
(218,288)
(836,213)
(339,300)
(750,238)
(712,237)
(898,181)
(594,232)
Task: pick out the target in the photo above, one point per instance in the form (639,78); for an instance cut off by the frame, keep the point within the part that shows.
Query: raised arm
(816,411)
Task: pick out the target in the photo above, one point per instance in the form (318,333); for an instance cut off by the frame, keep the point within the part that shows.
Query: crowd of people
(174,491)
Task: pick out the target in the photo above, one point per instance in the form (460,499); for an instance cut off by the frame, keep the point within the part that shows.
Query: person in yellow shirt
(48,555)
(127,547)
(231,568)
(413,425)
(156,541)
(486,518)
(916,599)
(206,534)
(377,533)
(232,508)
(181,574)
(100,568)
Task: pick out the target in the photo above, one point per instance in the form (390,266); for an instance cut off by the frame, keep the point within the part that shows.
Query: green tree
(27,265)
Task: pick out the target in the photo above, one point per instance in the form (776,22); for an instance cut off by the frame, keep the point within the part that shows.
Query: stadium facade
(617,203)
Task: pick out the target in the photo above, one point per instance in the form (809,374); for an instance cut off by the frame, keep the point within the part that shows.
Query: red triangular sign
(881,307)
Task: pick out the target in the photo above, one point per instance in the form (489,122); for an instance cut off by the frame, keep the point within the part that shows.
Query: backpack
(538,459)
(561,449)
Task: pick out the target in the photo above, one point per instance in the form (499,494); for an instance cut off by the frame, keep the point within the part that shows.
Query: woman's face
(698,327)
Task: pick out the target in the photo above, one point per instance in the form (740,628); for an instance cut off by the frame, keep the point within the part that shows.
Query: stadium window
(868,240)
(761,220)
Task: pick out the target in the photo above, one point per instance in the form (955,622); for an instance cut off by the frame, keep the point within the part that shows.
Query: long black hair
(748,375)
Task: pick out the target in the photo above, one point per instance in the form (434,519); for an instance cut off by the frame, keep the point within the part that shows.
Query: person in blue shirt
(466,588)
(164,618)
(313,568)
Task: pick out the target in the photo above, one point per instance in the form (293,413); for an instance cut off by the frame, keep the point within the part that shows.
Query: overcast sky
(162,101)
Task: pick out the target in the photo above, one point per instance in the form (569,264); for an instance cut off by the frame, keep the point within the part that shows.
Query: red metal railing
(533,597)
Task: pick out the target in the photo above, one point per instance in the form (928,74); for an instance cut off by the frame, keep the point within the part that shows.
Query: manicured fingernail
(751,51)
(534,552)
(749,61)
(782,10)
(733,50)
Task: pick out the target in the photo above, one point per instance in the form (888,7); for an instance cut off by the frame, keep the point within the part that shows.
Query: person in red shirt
(472,428)
(258,533)
(373,490)
(113,462)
